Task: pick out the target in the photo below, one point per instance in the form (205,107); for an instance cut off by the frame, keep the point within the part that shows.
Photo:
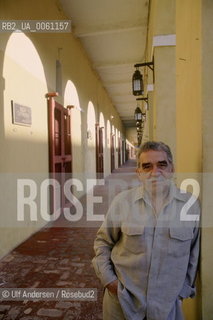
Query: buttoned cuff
(187,291)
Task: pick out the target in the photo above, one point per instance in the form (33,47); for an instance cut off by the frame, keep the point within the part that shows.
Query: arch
(107,158)
(71,98)
(22,51)
(116,148)
(90,159)
(112,148)
(71,95)
(116,137)
(101,120)
(119,149)
(108,131)
(91,121)
(102,124)
(26,84)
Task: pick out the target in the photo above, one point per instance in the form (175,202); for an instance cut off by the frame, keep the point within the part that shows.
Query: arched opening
(90,159)
(119,148)
(71,99)
(112,147)
(25,106)
(107,148)
(100,146)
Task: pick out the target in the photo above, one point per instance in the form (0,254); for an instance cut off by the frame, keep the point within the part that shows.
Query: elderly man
(146,251)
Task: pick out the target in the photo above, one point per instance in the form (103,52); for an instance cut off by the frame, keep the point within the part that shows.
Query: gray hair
(157,146)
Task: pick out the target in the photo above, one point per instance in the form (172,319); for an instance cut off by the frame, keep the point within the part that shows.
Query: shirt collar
(174,193)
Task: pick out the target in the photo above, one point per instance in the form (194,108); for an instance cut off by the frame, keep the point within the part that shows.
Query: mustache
(157,182)
(157,179)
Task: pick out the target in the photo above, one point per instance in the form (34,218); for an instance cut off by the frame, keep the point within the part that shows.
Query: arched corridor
(82,85)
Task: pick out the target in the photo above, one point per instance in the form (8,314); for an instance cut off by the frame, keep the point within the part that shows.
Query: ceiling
(113,33)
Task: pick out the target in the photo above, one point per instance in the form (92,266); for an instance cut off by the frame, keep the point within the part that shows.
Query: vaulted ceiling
(113,33)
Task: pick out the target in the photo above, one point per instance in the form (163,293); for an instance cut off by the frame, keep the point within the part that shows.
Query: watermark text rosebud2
(195,194)
(33,199)
(42,192)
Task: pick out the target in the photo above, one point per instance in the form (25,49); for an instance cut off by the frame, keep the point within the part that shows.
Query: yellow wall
(189,108)
(188,89)
(176,116)
(26,148)
(207,207)
(162,102)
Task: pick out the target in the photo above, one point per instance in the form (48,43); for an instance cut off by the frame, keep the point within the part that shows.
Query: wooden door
(99,151)
(119,152)
(127,152)
(112,152)
(123,151)
(60,150)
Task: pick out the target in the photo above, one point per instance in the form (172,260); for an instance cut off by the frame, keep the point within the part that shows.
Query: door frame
(99,151)
(63,158)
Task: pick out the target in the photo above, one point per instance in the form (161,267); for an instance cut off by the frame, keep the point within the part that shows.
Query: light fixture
(137,83)
(140,118)
(138,115)
(139,137)
(137,78)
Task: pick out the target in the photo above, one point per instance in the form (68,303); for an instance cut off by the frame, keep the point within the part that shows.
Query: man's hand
(113,287)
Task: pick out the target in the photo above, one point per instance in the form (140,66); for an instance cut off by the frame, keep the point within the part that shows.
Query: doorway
(60,151)
(99,152)
(112,152)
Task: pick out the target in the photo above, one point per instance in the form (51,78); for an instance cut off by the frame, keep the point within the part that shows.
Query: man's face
(154,169)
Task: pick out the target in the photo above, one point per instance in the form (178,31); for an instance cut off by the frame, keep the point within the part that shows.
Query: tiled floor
(59,256)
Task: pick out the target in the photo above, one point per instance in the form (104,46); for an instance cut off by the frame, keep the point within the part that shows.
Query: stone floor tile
(13,313)
(65,275)
(28,311)
(63,305)
(4,307)
(52,313)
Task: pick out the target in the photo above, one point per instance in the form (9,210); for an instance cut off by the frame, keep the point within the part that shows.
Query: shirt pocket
(133,238)
(180,241)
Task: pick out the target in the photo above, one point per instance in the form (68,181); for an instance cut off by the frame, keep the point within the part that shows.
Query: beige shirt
(154,258)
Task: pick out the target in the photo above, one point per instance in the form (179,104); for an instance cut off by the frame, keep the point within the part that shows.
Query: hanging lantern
(138,114)
(137,83)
